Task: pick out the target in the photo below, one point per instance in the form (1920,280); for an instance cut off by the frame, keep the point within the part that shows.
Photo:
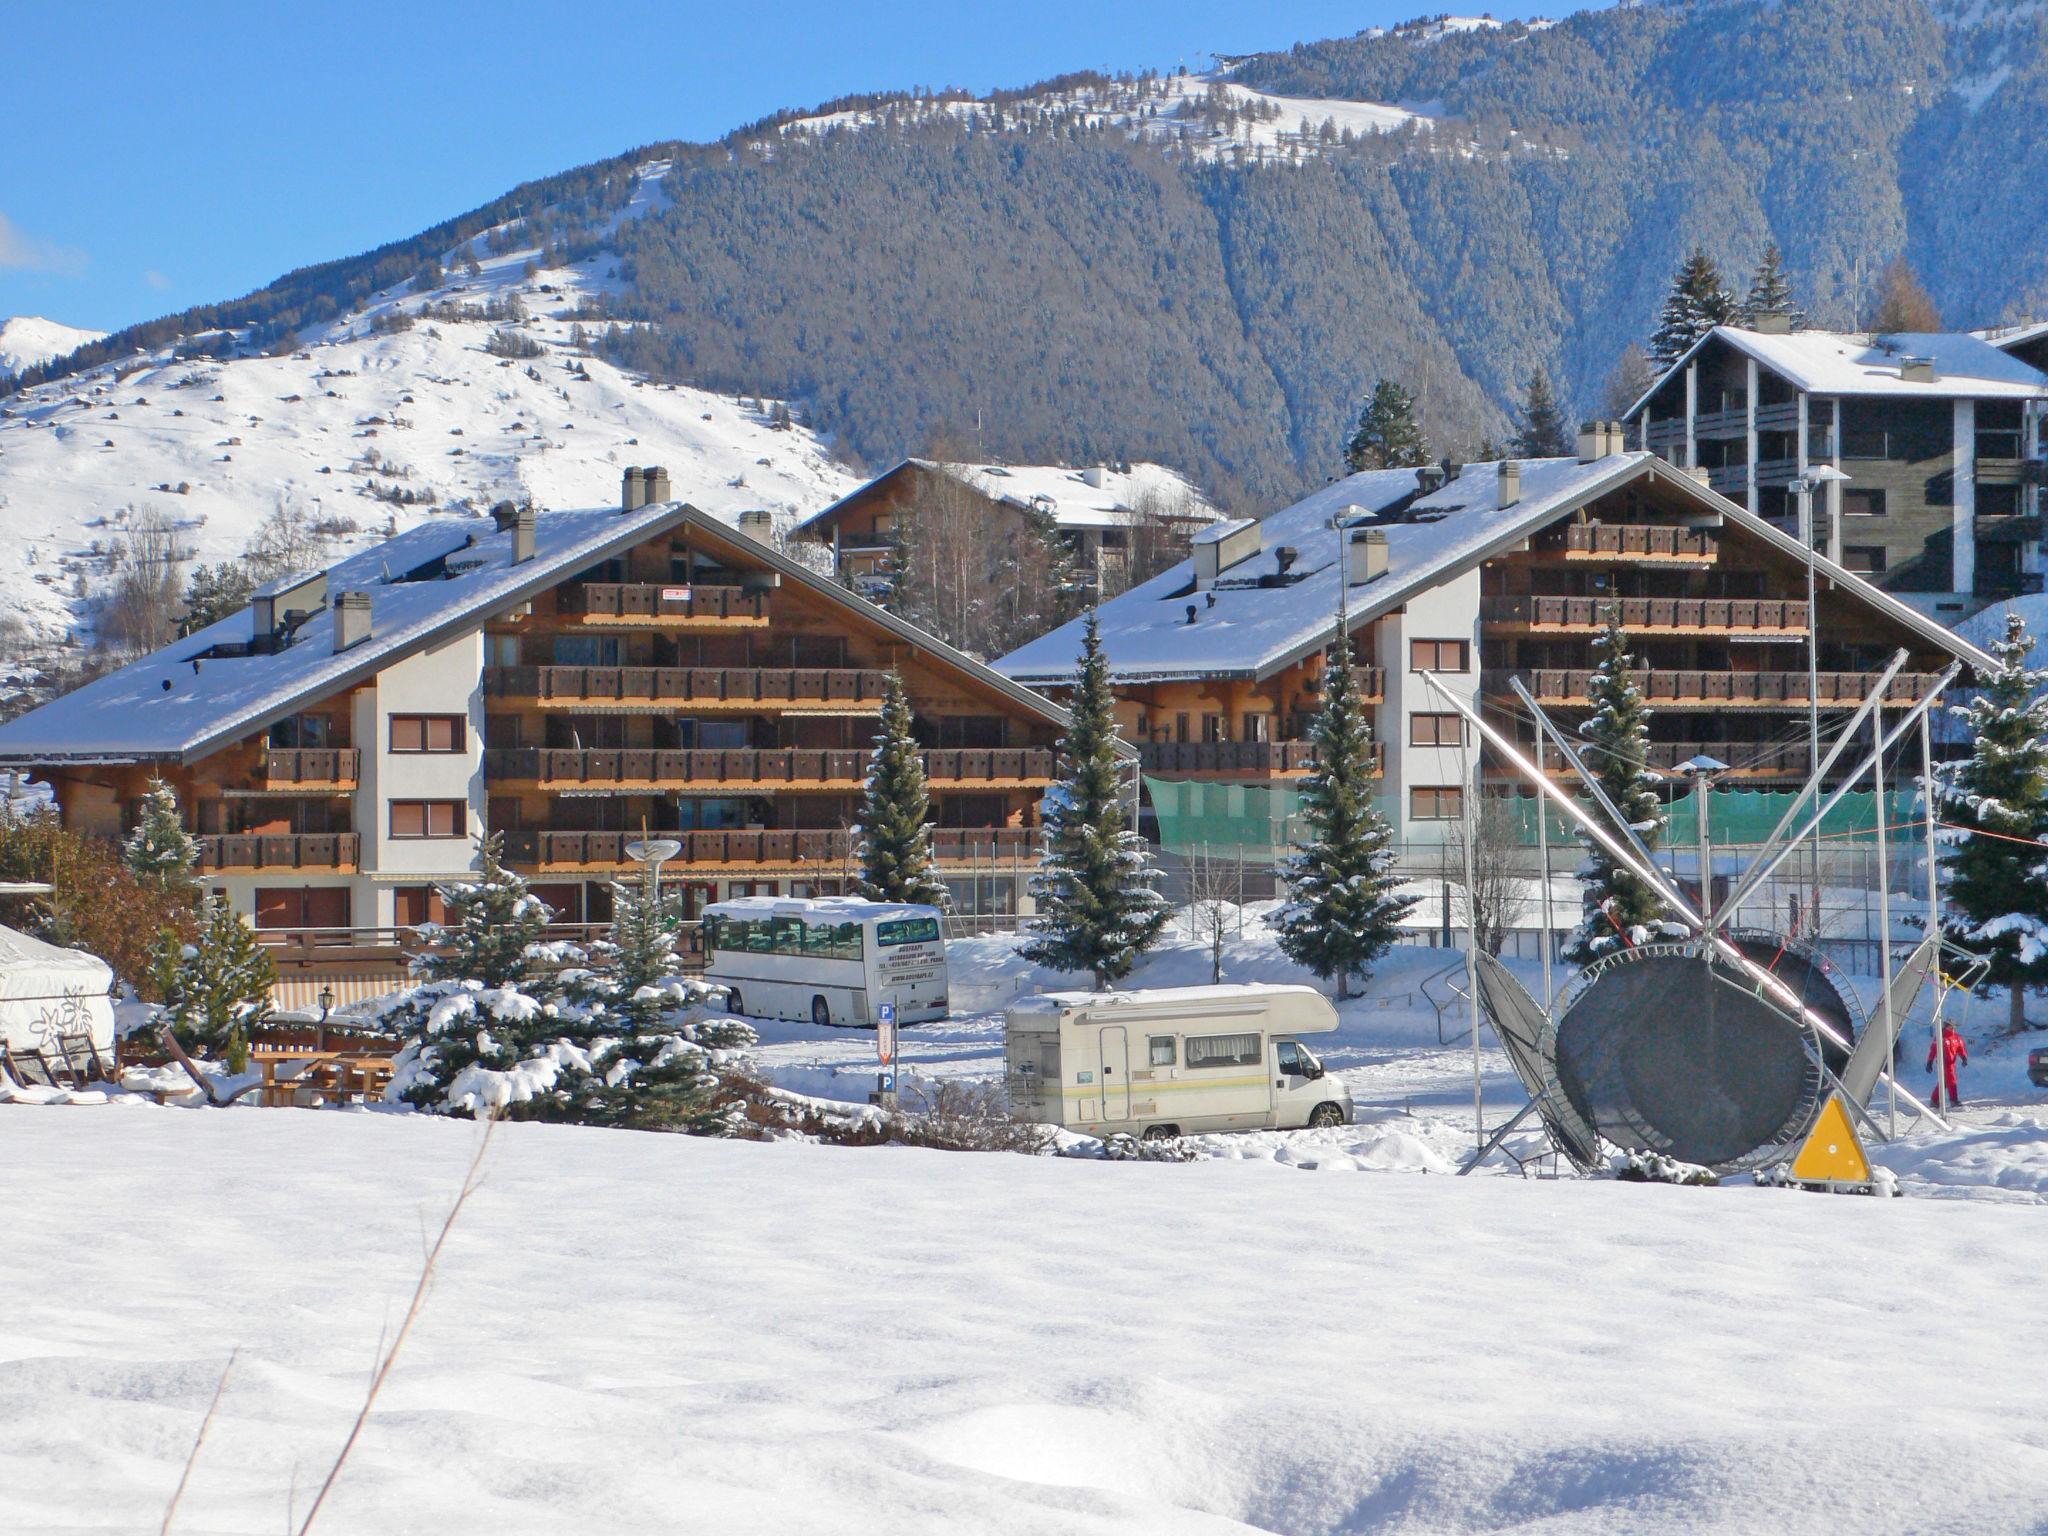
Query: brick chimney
(351,620)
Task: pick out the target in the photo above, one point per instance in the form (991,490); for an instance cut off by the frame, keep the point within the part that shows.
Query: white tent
(47,993)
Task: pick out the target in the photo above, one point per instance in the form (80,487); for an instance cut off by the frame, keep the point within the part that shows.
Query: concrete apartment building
(1505,570)
(564,678)
(1940,436)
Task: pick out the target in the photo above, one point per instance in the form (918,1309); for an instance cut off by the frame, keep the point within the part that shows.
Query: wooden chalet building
(1941,438)
(563,678)
(1504,571)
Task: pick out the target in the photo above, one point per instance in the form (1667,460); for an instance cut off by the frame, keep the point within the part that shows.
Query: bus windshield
(907,930)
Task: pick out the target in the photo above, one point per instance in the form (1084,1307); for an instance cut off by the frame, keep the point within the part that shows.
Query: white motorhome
(1172,1061)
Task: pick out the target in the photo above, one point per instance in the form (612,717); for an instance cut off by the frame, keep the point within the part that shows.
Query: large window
(1863,502)
(428,733)
(1435,731)
(1440,656)
(319,906)
(1223,1050)
(426,818)
(1864,559)
(907,930)
(1436,802)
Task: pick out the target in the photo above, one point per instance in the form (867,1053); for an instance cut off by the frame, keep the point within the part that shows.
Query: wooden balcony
(1239,759)
(1724,690)
(1644,615)
(324,852)
(749,771)
(776,690)
(1748,760)
(1782,417)
(551,852)
(661,605)
(304,769)
(1733,422)
(1659,543)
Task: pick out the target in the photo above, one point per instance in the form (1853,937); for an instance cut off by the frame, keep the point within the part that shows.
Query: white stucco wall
(1447,612)
(447,680)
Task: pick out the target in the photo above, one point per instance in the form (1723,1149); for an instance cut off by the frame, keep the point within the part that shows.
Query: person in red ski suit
(1953,1054)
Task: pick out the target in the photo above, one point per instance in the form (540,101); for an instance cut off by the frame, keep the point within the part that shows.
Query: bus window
(789,936)
(907,930)
(846,943)
(818,939)
(760,938)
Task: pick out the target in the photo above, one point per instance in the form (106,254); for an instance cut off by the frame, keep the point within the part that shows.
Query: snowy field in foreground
(638,1332)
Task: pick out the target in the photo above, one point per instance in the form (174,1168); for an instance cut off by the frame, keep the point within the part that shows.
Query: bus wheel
(733,1003)
(1325,1115)
(1161,1132)
(821,1012)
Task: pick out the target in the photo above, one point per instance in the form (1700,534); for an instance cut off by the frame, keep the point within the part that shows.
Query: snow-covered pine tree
(1999,888)
(1770,291)
(159,850)
(1543,433)
(493,924)
(1698,302)
(895,814)
(216,988)
(1621,909)
(1099,906)
(1343,910)
(1387,435)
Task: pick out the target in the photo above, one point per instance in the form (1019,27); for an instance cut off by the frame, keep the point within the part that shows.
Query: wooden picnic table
(336,1076)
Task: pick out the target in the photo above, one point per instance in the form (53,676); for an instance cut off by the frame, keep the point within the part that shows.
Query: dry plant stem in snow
(205,1423)
(470,1181)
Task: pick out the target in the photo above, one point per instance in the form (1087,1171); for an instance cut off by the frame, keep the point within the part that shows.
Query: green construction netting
(1252,820)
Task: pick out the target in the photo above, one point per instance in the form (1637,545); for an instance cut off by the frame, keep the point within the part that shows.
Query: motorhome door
(1116,1074)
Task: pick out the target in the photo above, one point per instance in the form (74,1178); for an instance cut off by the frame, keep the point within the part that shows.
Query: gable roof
(180,703)
(1065,494)
(2008,338)
(1252,631)
(1966,367)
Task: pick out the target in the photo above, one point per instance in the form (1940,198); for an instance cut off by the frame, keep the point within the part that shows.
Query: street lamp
(653,853)
(1818,477)
(1702,771)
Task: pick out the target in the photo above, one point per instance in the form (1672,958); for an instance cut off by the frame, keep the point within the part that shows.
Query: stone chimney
(632,490)
(351,620)
(1592,441)
(522,536)
(655,478)
(1365,552)
(756,524)
(1509,490)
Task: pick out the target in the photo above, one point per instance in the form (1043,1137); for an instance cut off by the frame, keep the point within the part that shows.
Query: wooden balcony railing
(1746,759)
(553,767)
(1732,422)
(296,850)
(656,601)
(1644,615)
(1707,690)
(821,849)
(1238,757)
(686,685)
(1647,541)
(293,767)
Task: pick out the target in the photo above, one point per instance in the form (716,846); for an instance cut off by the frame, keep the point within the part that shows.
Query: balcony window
(1436,802)
(428,733)
(313,731)
(586,650)
(426,818)
(302,906)
(1862,502)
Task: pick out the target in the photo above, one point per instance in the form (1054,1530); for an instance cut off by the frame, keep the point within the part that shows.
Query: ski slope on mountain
(26,340)
(366,431)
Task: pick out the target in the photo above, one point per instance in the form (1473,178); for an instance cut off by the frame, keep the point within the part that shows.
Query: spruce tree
(1543,434)
(895,818)
(1099,906)
(1342,910)
(1621,909)
(1998,883)
(1770,291)
(216,988)
(493,924)
(641,951)
(1387,435)
(159,850)
(1698,302)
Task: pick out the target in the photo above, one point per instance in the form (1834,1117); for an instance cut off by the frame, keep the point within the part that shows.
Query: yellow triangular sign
(1832,1154)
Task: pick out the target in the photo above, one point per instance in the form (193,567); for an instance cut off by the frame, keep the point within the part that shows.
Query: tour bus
(1172,1061)
(828,959)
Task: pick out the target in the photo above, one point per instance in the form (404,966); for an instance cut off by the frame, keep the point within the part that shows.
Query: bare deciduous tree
(1500,883)
(982,576)
(145,593)
(1215,905)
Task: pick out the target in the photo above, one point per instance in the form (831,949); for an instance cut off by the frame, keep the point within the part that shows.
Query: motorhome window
(1162,1050)
(1223,1050)
(907,930)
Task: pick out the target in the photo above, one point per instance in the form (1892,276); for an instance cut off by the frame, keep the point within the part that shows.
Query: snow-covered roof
(1068,496)
(182,703)
(838,909)
(1966,367)
(1047,1002)
(1252,630)
(2005,338)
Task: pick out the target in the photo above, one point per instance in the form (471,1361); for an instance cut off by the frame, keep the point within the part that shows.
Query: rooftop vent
(1772,325)
(1365,555)
(351,620)
(1451,468)
(280,606)
(1510,488)
(504,514)
(1917,370)
(1428,478)
(1220,546)
(1285,556)
(1096,476)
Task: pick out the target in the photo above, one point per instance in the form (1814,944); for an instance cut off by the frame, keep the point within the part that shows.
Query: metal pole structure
(1884,926)
(1812,690)
(1543,858)
(1469,820)
(1933,891)
(1647,870)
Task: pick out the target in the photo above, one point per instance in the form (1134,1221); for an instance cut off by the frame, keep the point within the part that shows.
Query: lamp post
(1818,477)
(1702,771)
(652,853)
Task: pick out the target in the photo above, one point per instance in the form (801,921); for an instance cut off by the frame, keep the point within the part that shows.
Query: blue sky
(167,155)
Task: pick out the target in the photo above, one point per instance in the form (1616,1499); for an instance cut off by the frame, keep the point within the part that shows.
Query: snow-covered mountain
(26,340)
(396,412)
